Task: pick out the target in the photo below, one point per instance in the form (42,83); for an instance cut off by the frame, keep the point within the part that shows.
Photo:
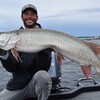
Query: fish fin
(87,70)
(60,58)
(16,55)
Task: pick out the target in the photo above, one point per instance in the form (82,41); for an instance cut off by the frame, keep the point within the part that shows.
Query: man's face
(29,18)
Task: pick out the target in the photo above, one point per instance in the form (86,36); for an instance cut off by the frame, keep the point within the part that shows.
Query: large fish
(35,40)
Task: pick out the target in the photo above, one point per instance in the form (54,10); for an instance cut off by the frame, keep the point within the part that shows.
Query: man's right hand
(2,52)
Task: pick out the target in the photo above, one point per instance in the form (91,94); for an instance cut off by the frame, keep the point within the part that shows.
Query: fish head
(4,38)
(8,40)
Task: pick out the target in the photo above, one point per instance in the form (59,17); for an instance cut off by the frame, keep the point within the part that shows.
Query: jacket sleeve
(10,64)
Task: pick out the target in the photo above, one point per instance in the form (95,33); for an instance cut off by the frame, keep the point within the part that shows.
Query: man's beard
(29,26)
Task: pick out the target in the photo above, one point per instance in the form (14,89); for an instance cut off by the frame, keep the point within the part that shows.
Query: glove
(2,52)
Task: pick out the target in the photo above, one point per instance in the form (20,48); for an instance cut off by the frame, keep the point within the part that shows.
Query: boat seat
(55,72)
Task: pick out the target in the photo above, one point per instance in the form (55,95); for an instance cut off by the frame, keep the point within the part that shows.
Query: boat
(80,92)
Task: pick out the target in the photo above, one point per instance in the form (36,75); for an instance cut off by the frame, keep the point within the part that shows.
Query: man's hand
(2,52)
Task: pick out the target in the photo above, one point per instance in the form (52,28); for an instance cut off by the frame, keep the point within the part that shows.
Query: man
(29,70)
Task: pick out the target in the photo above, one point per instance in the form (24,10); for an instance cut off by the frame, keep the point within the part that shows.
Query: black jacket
(23,72)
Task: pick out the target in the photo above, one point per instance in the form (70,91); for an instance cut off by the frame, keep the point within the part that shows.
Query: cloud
(74,12)
(73,16)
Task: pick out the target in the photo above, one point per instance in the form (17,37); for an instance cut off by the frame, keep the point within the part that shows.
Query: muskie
(35,40)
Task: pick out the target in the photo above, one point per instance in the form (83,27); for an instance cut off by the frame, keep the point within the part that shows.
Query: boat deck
(79,93)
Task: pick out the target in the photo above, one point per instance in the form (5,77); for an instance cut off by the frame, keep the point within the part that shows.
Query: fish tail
(97,65)
(95,47)
(98,69)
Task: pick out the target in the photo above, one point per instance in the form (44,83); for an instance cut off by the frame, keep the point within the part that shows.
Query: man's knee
(42,77)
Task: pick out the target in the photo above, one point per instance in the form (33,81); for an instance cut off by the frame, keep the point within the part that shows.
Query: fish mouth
(4,40)
(8,41)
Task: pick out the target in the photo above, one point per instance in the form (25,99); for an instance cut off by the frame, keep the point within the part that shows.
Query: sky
(75,17)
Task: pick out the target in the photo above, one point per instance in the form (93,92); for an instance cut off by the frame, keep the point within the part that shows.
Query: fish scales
(35,40)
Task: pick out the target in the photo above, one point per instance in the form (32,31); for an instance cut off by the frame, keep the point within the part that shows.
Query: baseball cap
(29,6)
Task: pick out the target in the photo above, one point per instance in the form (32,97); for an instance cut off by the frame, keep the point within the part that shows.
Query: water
(70,70)
(4,77)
